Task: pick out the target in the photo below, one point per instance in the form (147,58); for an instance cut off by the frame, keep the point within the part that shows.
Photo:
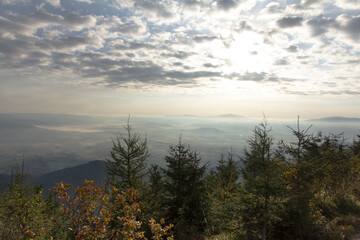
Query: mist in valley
(49,142)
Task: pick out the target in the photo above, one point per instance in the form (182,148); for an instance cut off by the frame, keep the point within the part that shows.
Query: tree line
(305,189)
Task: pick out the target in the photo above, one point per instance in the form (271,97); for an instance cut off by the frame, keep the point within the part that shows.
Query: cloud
(29,24)
(322,92)
(350,25)
(292,48)
(12,2)
(226,4)
(193,3)
(154,75)
(160,11)
(87,1)
(34,59)
(204,38)
(41,16)
(77,21)
(179,43)
(348,4)
(273,8)
(14,47)
(289,22)
(307,3)
(320,25)
(133,46)
(281,62)
(178,54)
(210,65)
(10,26)
(124,72)
(244,26)
(255,77)
(129,26)
(70,42)
(64,60)
(55,3)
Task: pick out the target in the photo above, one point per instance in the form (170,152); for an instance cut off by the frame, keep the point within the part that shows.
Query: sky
(200,57)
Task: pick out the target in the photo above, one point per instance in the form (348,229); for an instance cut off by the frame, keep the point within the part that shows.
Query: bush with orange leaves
(90,211)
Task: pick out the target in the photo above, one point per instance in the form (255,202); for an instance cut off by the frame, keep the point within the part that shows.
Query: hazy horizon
(50,142)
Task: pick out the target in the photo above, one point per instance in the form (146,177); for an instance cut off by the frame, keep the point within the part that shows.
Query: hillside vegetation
(304,189)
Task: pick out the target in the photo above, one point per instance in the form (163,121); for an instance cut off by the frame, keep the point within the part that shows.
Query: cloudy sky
(205,57)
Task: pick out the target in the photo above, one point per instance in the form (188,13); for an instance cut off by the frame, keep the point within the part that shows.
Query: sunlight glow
(246,53)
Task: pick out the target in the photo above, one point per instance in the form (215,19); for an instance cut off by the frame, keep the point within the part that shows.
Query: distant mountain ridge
(94,170)
(229,115)
(336,119)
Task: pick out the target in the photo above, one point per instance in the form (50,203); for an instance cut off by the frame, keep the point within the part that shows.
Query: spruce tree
(127,165)
(153,202)
(223,193)
(185,191)
(261,193)
(304,161)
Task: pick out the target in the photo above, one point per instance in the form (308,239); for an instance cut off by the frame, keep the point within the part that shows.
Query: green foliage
(127,165)
(155,192)
(322,177)
(355,147)
(262,195)
(223,193)
(185,192)
(24,214)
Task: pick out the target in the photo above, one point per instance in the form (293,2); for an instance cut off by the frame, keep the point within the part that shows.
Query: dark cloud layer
(320,25)
(289,22)
(352,27)
(281,62)
(292,48)
(261,77)
(227,4)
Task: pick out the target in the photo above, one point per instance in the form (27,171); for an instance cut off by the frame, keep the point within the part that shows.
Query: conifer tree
(355,147)
(261,195)
(127,165)
(153,202)
(304,163)
(185,191)
(223,188)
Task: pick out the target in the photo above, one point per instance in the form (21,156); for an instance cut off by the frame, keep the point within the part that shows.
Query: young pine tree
(262,186)
(223,193)
(304,171)
(127,165)
(153,203)
(185,191)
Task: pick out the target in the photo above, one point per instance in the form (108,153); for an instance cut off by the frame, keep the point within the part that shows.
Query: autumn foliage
(92,212)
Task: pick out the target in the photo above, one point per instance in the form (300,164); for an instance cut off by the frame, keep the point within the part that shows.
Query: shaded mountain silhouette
(229,116)
(94,170)
(206,130)
(336,119)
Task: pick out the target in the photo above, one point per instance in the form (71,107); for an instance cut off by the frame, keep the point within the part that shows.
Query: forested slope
(304,189)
